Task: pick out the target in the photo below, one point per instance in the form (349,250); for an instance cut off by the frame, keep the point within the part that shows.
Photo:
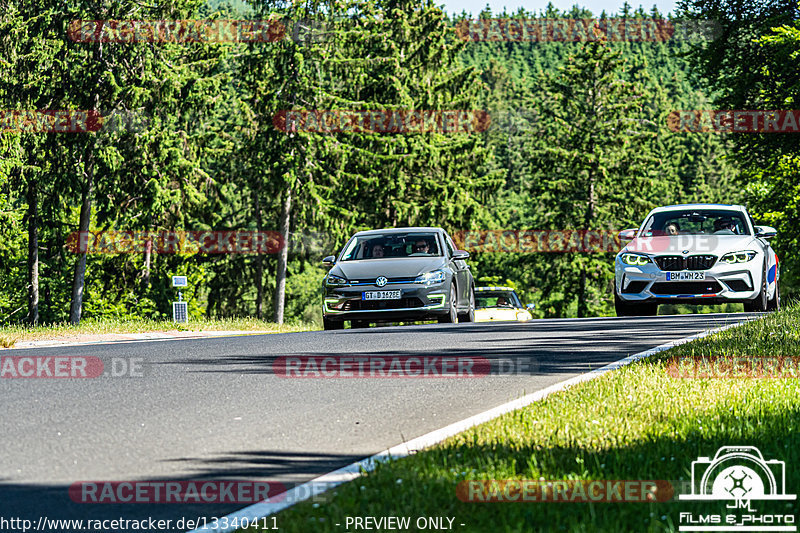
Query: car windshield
(391,245)
(695,222)
(501,299)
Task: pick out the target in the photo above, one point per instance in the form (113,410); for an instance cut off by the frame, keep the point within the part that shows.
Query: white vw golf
(696,254)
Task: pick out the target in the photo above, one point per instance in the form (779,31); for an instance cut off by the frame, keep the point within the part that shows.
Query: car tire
(469,316)
(646,309)
(760,303)
(452,316)
(775,301)
(359,324)
(624,308)
(331,324)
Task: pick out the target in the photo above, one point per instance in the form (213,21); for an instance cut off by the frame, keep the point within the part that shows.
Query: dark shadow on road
(281,469)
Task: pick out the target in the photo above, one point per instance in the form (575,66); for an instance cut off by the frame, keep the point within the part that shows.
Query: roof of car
(699,206)
(398,230)
(478,289)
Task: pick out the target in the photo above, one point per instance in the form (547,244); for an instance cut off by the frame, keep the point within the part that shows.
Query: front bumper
(723,283)
(417,302)
(502,315)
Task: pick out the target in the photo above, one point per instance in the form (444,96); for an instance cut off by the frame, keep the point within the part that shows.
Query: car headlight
(335,280)
(429,278)
(738,257)
(635,259)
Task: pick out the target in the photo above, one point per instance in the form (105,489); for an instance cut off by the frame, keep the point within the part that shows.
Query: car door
(461,269)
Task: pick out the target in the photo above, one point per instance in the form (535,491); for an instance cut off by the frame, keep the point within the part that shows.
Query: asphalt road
(213,409)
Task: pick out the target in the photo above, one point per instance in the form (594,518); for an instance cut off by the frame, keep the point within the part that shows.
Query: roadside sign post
(180,309)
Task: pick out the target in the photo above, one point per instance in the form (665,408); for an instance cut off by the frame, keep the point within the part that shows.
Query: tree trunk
(283,257)
(78,280)
(259,263)
(591,215)
(148,256)
(582,307)
(33,252)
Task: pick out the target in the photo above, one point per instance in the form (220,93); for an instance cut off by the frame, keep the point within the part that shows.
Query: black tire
(331,324)
(646,309)
(624,308)
(452,316)
(469,316)
(359,324)
(775,301)
(760,303)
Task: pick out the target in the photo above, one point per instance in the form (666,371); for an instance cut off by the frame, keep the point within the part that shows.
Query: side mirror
(530,307)
(329,260)
(628,234)
(766,232)
(461,254)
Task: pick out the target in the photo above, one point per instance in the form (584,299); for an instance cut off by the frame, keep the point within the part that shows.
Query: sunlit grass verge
(636,423)
(12,334)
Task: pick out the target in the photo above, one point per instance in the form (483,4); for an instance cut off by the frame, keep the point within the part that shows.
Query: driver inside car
(421,247)
(724,226)
(377,251)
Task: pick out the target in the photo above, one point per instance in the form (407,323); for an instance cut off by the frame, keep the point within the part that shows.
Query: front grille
(700,262)
(371,281)
(375,305)
(686,287)
(674,263)
(634,287)
(738,285)
(670,263)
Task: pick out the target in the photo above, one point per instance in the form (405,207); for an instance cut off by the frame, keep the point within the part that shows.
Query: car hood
(718,245)
(400,267)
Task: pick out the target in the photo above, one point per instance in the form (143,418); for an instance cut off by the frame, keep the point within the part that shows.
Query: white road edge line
(253,513)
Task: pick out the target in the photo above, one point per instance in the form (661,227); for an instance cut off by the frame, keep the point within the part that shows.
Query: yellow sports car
(500,304)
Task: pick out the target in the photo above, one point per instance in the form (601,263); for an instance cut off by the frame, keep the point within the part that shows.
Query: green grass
(10,335)
(634,423)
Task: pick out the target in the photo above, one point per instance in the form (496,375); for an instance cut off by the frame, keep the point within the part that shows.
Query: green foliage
(753,65)
(205,154)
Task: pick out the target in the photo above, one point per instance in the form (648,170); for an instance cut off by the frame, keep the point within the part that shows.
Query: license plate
(381,295)
(686,276)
